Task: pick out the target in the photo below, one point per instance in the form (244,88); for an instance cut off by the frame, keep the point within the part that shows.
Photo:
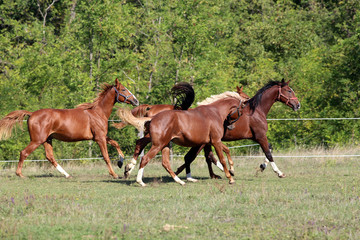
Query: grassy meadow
(319,199)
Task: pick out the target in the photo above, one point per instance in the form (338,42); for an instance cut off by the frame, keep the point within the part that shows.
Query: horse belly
(72,129)
(192,135)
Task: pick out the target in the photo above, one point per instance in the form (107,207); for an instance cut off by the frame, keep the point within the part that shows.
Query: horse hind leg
(101,141)
(144,161)
(24,154)
(166,165)
(50,156)
(140,145)
(210,158)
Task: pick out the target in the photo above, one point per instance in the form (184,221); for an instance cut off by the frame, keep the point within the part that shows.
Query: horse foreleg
(102,144)
(116,145)
(266,161)
(166,164)
(218,148)
(24,154)
(226,150)
(140,145)
(50,156)
(266,148)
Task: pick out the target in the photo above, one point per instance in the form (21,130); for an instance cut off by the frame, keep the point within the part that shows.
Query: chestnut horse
(252,124)
(88,121)
(201,125)
(149,111)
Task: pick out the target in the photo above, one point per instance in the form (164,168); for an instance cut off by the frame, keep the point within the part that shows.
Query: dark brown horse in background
(198,126)
(88,121)
(252,124)
(186,98)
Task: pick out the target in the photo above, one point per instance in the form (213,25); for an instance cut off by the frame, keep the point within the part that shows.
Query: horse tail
(141,110)
(184,95)
(10,120)
(128,118)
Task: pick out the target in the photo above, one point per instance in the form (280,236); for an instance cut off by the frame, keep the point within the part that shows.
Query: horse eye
(123,90)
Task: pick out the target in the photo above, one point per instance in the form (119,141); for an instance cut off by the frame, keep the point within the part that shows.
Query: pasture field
(319,199)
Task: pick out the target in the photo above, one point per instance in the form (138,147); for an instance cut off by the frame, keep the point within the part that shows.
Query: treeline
(56,54)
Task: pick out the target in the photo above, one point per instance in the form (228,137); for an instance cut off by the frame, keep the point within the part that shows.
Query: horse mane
(106,87)
(215,98)
(183,94)
(255,100)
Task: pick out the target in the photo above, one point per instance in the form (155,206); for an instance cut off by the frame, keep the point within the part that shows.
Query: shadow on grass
(149,180)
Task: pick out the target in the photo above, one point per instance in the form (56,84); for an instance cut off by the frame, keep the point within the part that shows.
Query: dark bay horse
(88,121)
(201,125)
(149,111)
(252,124)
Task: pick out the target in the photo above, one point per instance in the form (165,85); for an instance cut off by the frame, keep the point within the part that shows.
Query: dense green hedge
(56,54)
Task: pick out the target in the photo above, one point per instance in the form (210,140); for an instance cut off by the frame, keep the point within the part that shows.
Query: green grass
(320,199)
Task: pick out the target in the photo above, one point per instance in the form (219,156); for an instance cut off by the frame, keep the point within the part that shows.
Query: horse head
(287,96)
(241,93)
(124,95)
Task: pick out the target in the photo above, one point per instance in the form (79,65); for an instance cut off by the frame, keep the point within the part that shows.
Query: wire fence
(241,146)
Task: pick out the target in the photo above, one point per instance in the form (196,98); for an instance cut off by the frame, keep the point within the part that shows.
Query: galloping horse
(149,111)
(252,124)
(88,121)
(201,125)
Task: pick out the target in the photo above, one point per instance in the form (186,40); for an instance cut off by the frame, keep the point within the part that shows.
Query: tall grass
(319,199)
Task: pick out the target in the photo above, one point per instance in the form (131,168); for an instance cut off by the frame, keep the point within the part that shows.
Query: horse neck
(268,99)
(106,104)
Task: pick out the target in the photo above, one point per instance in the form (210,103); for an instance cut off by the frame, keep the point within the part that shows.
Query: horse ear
(117,83)
(239,90)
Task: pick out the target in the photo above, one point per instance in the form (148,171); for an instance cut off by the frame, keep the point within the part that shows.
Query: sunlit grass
(319,199)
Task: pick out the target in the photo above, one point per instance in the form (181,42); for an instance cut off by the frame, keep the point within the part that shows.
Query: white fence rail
(260,156)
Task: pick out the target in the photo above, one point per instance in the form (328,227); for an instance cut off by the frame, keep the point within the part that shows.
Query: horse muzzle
(295,106)
(134,102)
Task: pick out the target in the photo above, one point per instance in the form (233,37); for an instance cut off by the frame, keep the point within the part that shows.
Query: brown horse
(149,111)
(89,121)
(201,125)
(252,124)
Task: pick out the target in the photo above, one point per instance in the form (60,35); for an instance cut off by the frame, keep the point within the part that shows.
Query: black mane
(254,101)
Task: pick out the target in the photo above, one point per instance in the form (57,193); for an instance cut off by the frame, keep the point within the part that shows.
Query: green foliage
(57,54)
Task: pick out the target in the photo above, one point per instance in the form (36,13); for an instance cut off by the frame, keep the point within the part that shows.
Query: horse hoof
(232,173)
(215,176)
(20,175)
(182,183)
(120,161)
(115,176)
(282,176)
(232,182)
(68,177)
(262,167)
(142,184)
(190,179)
